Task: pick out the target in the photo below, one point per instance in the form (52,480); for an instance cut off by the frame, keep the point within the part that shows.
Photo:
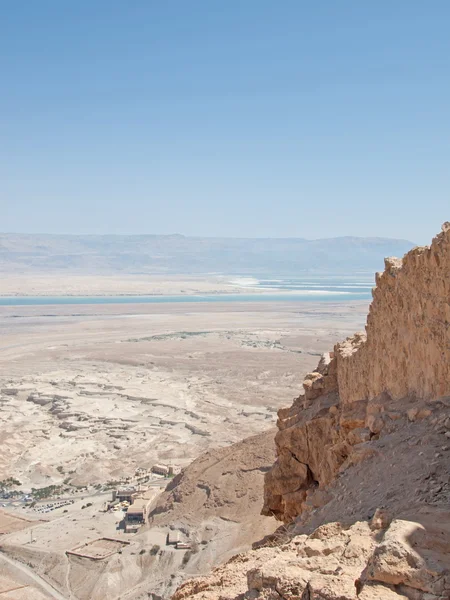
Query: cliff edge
(370,381)
(361,478)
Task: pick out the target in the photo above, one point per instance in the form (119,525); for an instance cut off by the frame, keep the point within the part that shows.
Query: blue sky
(237,118)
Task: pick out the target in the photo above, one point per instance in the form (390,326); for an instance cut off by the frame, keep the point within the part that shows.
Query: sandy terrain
(90,393)
(96,391)
(123,285)
(214,503)
(19,586)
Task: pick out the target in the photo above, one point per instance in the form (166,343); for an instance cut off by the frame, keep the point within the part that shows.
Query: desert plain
(93,393)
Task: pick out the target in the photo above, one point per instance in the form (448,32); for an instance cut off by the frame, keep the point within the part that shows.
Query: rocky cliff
(405,350)
(369,382)
(365,449)
(223,483)
(215,502)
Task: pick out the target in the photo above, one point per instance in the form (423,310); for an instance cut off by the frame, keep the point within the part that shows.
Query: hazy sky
(227,118)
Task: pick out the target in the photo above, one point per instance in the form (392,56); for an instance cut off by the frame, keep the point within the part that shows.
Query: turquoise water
(330,288)
(293,297)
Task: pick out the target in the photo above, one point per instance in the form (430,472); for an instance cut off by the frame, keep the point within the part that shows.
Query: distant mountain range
(178,254)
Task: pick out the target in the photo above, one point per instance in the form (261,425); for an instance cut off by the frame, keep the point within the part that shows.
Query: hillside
(177,254)
(214,502)
(361,477)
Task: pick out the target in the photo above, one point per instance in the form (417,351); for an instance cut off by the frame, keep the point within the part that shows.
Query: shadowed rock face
(361,477)
(370,383)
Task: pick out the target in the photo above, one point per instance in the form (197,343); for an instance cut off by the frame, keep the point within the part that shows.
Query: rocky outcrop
(376,560)
(345,538)
(215,502)
(224,483)
(405,350)
(361,477)
(371,383)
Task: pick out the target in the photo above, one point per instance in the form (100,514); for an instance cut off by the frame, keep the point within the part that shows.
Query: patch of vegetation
(186,558)
(9,482)
(169,336)
(142,551)
(60,469)
(154,550)
(45,492)
(112,484)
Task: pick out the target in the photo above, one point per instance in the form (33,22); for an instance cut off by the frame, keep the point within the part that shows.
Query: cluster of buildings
(165,470)
(174,539)
(143,474)
(137,499)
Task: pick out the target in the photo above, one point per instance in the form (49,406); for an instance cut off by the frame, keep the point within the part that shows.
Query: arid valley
(91,395)
(225,301)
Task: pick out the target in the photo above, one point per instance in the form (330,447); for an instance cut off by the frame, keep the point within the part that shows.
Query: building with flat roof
(138,511)
(160,469)
(128,494)
(183,546)
(173,537)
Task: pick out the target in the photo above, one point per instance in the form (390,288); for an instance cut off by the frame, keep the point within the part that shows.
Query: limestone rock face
(224,483)
(405,350)
(358,391)
(361,477)
(336,563)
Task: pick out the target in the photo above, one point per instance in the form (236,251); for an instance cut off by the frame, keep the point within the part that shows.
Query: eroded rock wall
(406,348)
(361,476)
(371,383)
(376,560)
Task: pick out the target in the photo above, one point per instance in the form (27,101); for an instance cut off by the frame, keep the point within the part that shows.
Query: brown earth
(10,522)
(223,482)
(361,477)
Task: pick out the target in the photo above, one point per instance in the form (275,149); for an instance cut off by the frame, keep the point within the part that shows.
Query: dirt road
(49,589)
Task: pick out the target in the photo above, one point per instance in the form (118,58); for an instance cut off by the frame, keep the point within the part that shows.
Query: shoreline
(242,292)
(326,297)
(129,286)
